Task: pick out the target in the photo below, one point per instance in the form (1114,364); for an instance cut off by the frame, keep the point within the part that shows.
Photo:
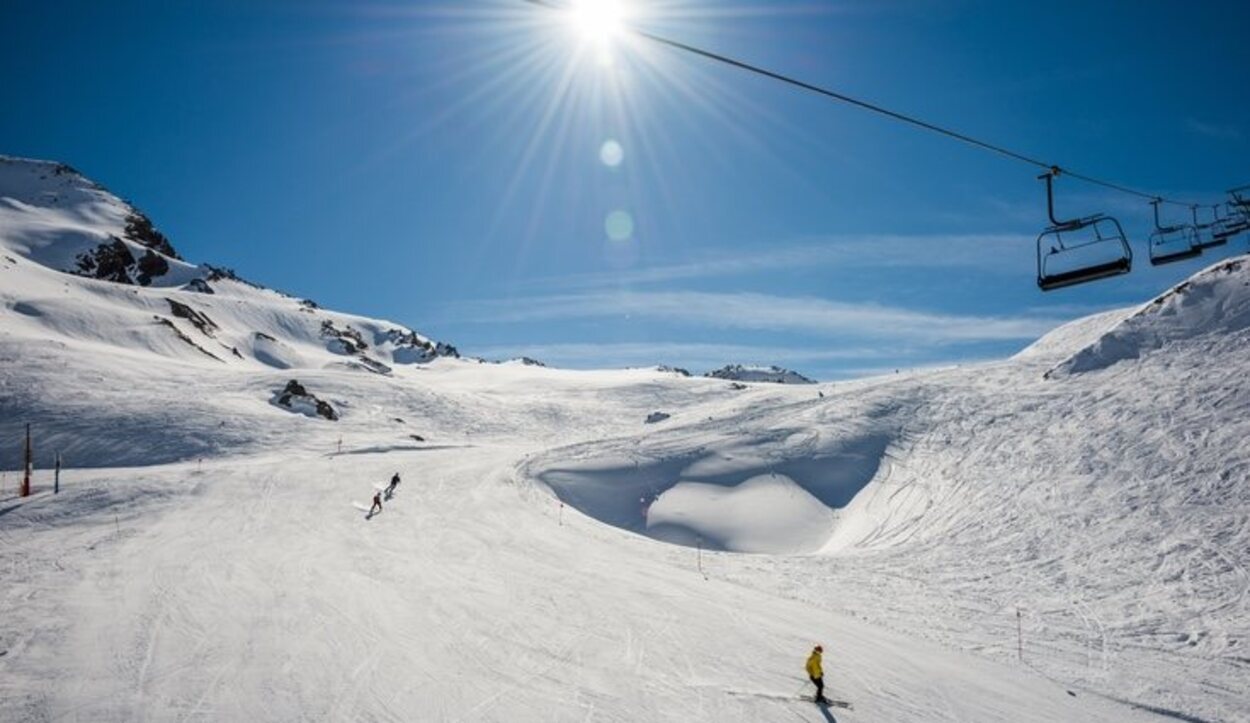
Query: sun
(598,21)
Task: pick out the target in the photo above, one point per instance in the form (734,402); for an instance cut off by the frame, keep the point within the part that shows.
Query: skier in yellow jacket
(817,674)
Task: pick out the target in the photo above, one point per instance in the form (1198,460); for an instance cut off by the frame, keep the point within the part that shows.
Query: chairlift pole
(26,466)
(1050,196)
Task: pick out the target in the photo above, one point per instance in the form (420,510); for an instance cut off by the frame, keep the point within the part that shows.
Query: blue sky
(441,164)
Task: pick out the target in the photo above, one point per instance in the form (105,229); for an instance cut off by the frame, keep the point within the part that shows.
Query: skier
(394,483)
(377,504)
(817,674)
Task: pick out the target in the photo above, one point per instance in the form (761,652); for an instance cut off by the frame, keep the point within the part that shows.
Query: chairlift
(1227,226)
(1207,235)
(1169,244)
(1238,219)
(1079,250)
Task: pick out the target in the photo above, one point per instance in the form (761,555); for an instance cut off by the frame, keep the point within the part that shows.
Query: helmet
(819,649)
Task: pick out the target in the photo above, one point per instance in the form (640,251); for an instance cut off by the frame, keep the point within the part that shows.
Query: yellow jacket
(813,665)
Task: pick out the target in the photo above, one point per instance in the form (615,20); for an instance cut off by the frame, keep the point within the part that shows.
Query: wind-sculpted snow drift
(1211,309)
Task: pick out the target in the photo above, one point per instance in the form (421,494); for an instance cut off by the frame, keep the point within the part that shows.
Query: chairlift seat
(1173,243)
(1089,273)
(1211,242)
(1101,252)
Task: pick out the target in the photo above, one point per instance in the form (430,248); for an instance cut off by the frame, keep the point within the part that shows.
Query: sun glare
(598,21)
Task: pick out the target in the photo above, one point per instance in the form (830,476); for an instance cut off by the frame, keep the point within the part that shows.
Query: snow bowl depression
(776,493)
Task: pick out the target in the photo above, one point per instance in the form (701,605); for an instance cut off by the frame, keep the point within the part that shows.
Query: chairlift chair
(1227,226)
(1169,244)
(1207,235)
(1238,219)
(1080,250)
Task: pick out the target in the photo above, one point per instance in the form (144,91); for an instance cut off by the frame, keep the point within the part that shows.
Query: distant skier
(817,674)
(394,483)
(377,504)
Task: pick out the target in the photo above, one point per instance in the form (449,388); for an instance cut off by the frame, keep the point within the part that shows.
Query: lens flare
(611,153)
(619,225)
(598,21)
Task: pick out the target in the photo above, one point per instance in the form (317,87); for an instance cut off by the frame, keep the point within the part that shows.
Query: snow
(204,560)
(1211,308)
(766,513)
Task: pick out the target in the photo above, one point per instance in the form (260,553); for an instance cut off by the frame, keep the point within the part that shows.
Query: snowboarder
(394,483)
(817,674)
(377,504)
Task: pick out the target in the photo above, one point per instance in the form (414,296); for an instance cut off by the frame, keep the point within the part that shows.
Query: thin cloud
(987,252)
(759,312)
(1213,130)
(697,357)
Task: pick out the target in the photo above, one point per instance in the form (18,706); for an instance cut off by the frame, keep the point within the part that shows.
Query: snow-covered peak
(131,293)
(55,216)
(1210,308)
(774,374)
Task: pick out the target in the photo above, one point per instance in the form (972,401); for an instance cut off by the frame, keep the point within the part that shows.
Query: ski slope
(551,556)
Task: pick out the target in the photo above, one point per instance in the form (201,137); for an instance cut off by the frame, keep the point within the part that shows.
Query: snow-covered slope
(1111,510)
(978,544)
(1209,311)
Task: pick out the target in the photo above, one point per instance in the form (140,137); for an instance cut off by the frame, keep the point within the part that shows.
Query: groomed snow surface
(1062,536)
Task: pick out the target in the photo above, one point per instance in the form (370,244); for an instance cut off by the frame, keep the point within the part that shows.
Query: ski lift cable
(881,110)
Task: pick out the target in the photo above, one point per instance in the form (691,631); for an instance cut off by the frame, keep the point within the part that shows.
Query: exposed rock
(773,374)
(368,364)
(140,230)
(218,273)
(151,265)
(673,370)
(108,262)
(410,348)
(342,341)
(113,261)
(654,417)
(199,286)
(172,327)
(297,399)
(198,319)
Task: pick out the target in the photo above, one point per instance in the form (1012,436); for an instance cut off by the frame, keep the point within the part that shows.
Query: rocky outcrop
(113,261)
(294,397)
(219,273)
(342,341)
(139,229)
(184,338)
(107,262)
(150,266)
(199,286)
(198,319)
(410,348)
(773,374)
